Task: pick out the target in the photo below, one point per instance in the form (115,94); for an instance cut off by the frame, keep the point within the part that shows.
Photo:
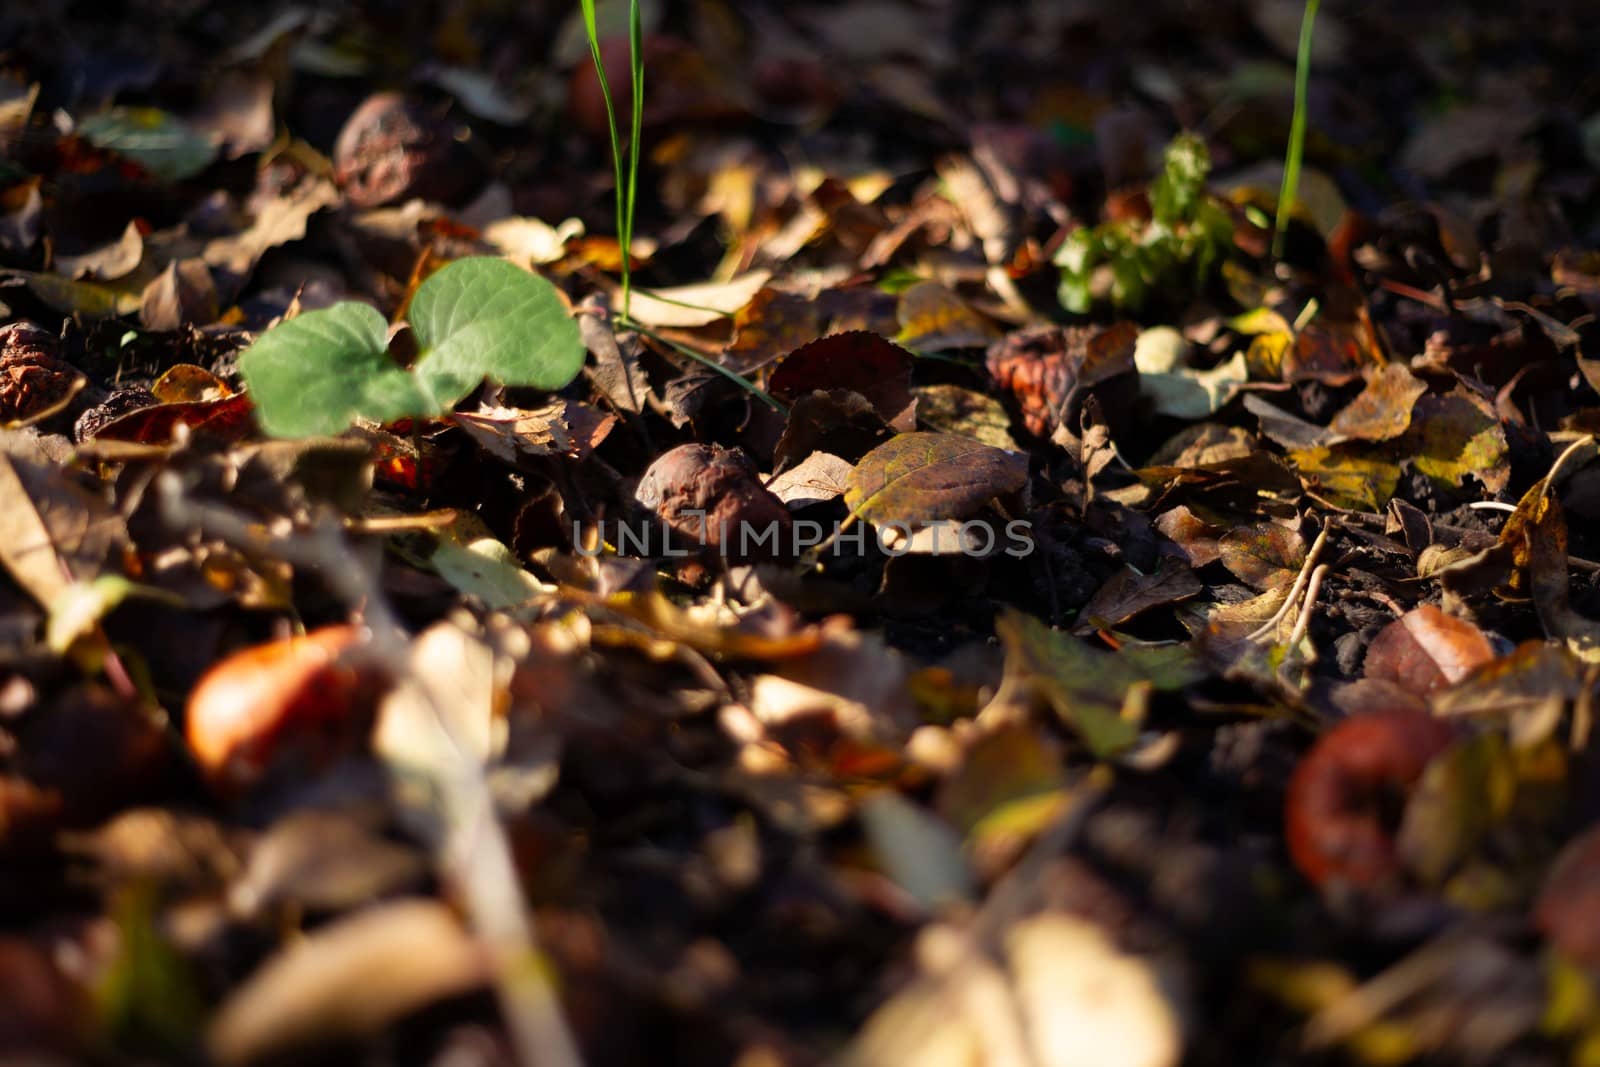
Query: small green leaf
(313,374)
(151,138)
(918,850)
(486,318)
(1102,695)
(82,605)
(477,318)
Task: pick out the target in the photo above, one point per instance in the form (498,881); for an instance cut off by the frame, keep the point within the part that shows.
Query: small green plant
(626,170)
(626,173)
(1187,234)
(1297,130)
(474,319)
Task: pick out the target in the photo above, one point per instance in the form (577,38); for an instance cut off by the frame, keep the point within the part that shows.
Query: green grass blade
(1297,130)
(636,65)
(624,207)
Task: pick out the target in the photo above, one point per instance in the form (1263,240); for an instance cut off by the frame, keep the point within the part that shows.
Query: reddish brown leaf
(863,362)
(1425,649)
(1264,555)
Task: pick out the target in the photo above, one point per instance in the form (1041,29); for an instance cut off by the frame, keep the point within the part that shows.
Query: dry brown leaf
(348,979)
(688,306)
(1425,650)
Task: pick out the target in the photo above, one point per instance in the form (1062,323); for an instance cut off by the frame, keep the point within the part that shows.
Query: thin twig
(1300,582)
(1303,620)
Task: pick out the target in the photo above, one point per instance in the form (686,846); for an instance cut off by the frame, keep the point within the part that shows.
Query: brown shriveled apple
(392,148)
(713,496)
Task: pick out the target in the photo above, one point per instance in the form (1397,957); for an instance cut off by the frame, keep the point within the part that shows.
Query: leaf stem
(744,383)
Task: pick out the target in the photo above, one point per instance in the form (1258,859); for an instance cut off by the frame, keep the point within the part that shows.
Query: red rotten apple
(1345,796)
(300,698)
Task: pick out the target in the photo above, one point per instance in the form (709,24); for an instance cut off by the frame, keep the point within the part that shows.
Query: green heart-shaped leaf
(313,374)
(486,318)
(476,318)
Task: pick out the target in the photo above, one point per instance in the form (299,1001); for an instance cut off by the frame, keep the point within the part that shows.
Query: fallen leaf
(1011,785)
(562,428)
(819,477)
(839,420)
(155,140)
(1264,555)
(920,477)
(953,409)
(1383,409)
(348,979)
(225,418)
(1347,478)
(1129,593)
(91,300)
(1425,650)
(1085,1001)
(1101,695)
(323,861)
(532,242)
(858,361)
(106,263)
(688,306)
(280,221)
(1194,394)
(917,849)
(933,319)
(183,293)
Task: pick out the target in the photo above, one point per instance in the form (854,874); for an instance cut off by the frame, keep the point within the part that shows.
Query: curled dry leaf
(108,262)
(688,306)
(322,861)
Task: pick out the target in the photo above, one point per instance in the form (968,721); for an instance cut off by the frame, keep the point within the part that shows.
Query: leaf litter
(970,602)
